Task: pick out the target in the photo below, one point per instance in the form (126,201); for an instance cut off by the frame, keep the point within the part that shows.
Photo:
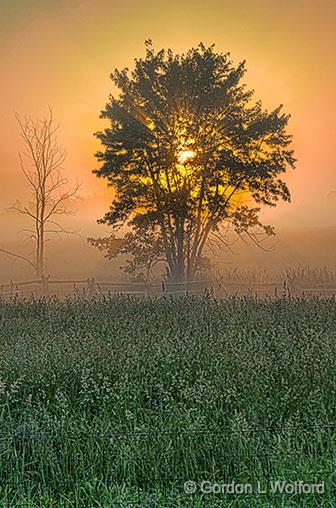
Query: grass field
(119,402)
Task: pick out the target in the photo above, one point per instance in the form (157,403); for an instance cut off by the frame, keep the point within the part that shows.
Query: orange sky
(61,53)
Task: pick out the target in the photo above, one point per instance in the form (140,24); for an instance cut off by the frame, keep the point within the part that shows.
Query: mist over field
(74,258)
(303,239)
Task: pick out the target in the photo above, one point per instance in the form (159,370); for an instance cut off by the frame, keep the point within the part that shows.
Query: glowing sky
(61,53)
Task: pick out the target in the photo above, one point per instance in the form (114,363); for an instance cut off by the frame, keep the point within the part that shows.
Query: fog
(61,54)
(72,257)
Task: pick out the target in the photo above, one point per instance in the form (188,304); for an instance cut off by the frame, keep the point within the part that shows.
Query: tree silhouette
(41,164)
(187,151)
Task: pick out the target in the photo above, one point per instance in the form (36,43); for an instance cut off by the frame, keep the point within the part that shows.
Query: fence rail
(91,286)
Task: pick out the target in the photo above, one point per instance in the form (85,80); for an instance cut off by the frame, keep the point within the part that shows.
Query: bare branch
(13,254)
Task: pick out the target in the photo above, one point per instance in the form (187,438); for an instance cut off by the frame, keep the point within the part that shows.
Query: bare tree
(41,164)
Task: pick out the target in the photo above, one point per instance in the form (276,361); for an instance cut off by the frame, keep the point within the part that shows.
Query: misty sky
(60,53)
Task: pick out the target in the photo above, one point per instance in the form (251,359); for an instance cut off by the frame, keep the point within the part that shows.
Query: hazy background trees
(188,151)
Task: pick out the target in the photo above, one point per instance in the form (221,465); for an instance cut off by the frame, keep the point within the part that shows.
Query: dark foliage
(188,150)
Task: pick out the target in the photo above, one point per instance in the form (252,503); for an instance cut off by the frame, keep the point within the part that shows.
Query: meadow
(117,402)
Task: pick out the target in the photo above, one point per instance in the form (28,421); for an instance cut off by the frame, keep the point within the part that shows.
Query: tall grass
(118,402)
(292,274)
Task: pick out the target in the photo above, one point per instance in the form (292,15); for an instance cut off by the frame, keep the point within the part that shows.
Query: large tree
(188,150)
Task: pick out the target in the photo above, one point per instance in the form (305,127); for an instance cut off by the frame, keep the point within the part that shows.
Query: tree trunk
(41,261)
(180,269)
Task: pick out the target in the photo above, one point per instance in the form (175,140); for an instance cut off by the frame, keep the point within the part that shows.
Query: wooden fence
(220,288)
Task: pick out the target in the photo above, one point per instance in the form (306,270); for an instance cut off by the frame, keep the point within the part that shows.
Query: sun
(185,155)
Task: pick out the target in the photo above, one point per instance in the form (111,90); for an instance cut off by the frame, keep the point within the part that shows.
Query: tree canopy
(188,149)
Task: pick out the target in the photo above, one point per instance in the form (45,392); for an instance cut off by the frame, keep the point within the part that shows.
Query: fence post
(92,286)
(44,284)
